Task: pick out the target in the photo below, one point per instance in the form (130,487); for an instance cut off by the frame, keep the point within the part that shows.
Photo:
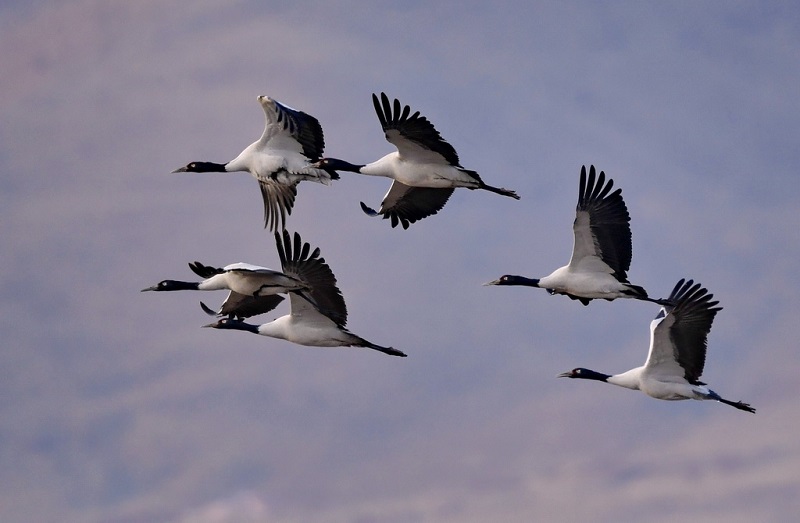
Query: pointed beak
(211,325)
(153,288)
(493,282)
(565,375)
(179,170)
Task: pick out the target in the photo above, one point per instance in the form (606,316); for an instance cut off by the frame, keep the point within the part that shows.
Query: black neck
(206,167)
(519,280)
(587,374)
(237,325)
(240,325)
(341,165)
(173,285)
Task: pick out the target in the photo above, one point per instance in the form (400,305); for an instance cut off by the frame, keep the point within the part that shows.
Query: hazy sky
(117,407)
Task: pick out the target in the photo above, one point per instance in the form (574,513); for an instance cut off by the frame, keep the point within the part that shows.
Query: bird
(322,325)
(678,342)
(425,169)
(601,252)
(253,289)
(279,160)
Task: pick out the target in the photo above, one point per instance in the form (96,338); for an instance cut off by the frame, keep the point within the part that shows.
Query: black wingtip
(204,271)
(207,309)
(369,211)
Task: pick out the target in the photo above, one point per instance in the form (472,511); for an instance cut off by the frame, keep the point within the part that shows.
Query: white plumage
(253,289)
(321,324)
(425,168)
(279,160)
(601,251)
(677,355)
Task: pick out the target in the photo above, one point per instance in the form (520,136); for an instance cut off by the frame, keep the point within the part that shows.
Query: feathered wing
(205,271)
(661,359)
(305,129)
(289,129)
(405,205)
(694,314)
(412,134)
(679,340)
(293,140)
(278,203)
(298,261)
(240,306)
(602,225)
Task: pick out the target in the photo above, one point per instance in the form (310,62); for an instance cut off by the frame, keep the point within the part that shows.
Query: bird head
(322,163)
(574,373)
(223,323)
(502,280)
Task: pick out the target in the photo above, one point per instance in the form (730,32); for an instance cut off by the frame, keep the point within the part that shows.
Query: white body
(590,279)
(586,275)
(306,326)
(420,168)
(659,386)
(277,155)
(279,160)
(661,376)
(251,280)
(675,361)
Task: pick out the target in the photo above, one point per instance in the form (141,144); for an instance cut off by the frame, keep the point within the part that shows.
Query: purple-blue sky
(117,407)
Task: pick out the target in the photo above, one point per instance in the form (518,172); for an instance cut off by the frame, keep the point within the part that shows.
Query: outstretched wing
(412,134)
(240,306)
(298,261)
(602,225)
(290,129)
(405,205)
(205,271)
(278,203)
(680,332)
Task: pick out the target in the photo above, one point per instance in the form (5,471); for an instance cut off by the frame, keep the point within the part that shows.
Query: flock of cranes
(425,170)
